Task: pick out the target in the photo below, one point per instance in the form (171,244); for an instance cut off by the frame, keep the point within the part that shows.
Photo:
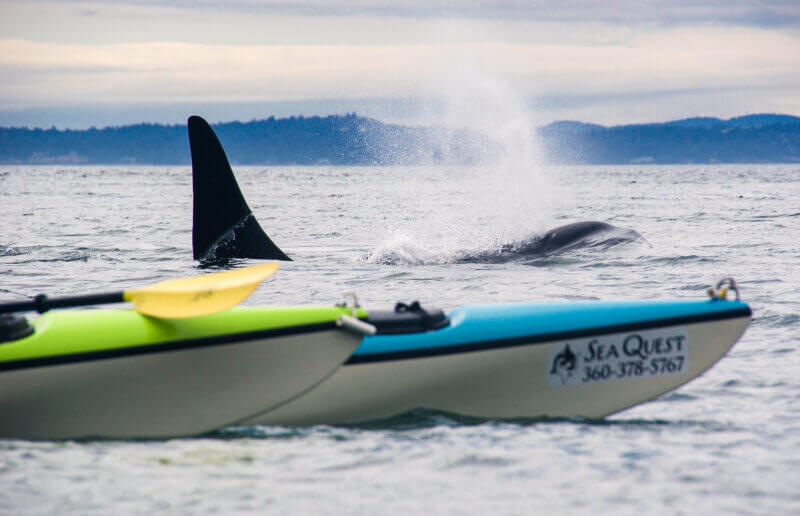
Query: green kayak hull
(118,374)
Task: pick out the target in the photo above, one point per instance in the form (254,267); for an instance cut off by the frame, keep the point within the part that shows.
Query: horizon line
(371,117)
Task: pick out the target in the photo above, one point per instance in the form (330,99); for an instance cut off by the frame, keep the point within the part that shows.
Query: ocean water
(728,442)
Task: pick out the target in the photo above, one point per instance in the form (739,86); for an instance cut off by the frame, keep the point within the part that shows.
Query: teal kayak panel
(485,323)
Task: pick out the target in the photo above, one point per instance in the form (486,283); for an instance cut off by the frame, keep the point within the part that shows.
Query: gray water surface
(728,442)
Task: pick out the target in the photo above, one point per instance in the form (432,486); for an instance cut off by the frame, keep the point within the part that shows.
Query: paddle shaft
(42,303)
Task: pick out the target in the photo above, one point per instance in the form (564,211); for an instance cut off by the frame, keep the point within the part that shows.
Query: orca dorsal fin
(223,226)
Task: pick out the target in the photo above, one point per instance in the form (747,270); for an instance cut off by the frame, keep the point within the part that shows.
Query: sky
(113,62)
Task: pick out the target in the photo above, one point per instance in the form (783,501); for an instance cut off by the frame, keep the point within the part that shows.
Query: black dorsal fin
(223,225)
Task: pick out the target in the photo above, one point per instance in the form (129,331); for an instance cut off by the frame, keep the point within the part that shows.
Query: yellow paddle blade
(199,295)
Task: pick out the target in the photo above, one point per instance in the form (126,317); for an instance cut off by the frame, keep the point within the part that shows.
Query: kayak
(555,360)
(120,374)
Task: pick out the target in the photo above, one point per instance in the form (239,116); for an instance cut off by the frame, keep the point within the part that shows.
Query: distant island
(356,140)
(763,138)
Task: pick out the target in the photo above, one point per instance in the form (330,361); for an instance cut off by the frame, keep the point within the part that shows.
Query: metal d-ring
(722,288)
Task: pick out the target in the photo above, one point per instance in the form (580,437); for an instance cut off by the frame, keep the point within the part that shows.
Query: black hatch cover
(411,318)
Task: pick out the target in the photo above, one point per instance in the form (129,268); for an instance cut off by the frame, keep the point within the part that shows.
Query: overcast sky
(77,64)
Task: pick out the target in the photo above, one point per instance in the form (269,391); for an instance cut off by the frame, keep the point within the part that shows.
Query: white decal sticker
(640,354)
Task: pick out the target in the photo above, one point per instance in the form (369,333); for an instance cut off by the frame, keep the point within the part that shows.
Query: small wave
(473,460)
(77,255)
(694,287)
(552,262)
(690,258)
(394,257)
(12,251)
(397,275)
(35,255)
(776,320)
(677,396)
(14,292)
(334,433)
(259,432)
(403,250)
(775,216)
(596,264)
(419,419)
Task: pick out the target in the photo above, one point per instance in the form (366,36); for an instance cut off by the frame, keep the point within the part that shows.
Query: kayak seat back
(13,327)
(411,318)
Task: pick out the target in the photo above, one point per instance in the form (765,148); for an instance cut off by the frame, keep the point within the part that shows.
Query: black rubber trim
(539,338)
(177,345)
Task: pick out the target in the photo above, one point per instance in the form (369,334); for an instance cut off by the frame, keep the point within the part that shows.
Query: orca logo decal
(564,365)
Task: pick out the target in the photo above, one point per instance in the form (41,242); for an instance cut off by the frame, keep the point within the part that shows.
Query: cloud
(245,52)
(764,13)
(675,59)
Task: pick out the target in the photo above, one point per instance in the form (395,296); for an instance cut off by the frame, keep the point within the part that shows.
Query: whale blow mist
(501,198)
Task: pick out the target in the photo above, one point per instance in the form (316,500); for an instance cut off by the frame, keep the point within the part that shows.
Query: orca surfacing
(229,229)
(224,226)
(576,235)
